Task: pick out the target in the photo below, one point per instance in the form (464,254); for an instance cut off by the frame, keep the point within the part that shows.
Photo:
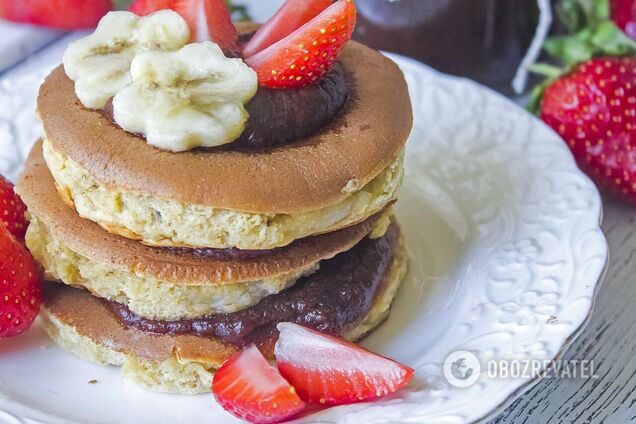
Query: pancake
(159,282)
(255,199)
(160,222)
(87,327)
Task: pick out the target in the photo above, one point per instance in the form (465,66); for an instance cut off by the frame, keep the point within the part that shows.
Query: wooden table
(609,340)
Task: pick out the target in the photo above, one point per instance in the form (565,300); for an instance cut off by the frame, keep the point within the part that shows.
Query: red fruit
(291,16)
(305,56)
(248,387)
(217,16)
(623,13)
(12,210)
(332,371)
(19,286)
(63,14)
(188,9)
(220,26)
(594,109)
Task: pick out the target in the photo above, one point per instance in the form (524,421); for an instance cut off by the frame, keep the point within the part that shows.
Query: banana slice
(100,63)
(194,97)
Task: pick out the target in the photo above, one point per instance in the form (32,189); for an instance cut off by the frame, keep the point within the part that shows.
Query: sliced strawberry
(188,9)
(217,17)
(63,14)
(248,387)
(220,26)
(305,56)
(19,286)
(332,371)
(12,210)
(291,16)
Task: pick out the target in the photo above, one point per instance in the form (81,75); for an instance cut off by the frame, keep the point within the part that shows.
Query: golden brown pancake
(158,282)
(311,174)
(87,326)
(180,266)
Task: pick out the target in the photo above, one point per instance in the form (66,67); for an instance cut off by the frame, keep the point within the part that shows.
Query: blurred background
(485,40)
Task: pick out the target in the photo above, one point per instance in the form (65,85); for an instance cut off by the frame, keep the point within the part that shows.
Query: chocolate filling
(332,300)
(284,116)
(227,254)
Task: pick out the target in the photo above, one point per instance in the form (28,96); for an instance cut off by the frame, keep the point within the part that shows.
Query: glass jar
(481,39)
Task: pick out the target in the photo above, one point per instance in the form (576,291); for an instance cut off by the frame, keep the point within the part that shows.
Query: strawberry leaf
(610,40)
(552,73)
(596,11)
(121,4)
(569,49)
(579,14)
(571,14)
(593,34)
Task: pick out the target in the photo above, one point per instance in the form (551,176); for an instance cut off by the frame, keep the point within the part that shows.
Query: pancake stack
(168,263)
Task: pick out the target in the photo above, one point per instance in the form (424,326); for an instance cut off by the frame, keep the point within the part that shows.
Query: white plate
(506,256)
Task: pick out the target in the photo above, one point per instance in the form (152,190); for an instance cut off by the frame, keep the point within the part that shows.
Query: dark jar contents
(480,39)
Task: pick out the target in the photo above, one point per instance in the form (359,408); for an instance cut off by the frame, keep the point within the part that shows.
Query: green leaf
(571,14)
(597,11)
(546,70)
(570,50)
(239,12)
(580,14)
(610,40)
(121,4)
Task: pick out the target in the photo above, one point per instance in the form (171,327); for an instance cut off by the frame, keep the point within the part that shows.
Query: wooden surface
(609,340)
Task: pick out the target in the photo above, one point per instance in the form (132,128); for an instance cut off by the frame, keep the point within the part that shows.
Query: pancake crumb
(352,186)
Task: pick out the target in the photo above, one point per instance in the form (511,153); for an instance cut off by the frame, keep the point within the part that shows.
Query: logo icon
(462,369)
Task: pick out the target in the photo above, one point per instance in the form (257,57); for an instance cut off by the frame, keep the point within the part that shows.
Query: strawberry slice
(248,387)
(220,26)
(305,56)
(12,210)
(291,16)
(19,286)
(188,9)
(332,371)
(217,17)
(62,14)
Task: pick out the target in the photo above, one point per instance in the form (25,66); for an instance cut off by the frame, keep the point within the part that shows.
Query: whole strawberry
(591,101)
(593,108)
(63,14)
(12,210)
(19,286)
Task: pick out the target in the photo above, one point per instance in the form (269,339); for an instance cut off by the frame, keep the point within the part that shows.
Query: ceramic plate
(506,256)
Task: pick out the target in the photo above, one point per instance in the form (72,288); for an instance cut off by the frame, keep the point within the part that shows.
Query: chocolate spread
(336,297)
(284,116)
(226,254)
